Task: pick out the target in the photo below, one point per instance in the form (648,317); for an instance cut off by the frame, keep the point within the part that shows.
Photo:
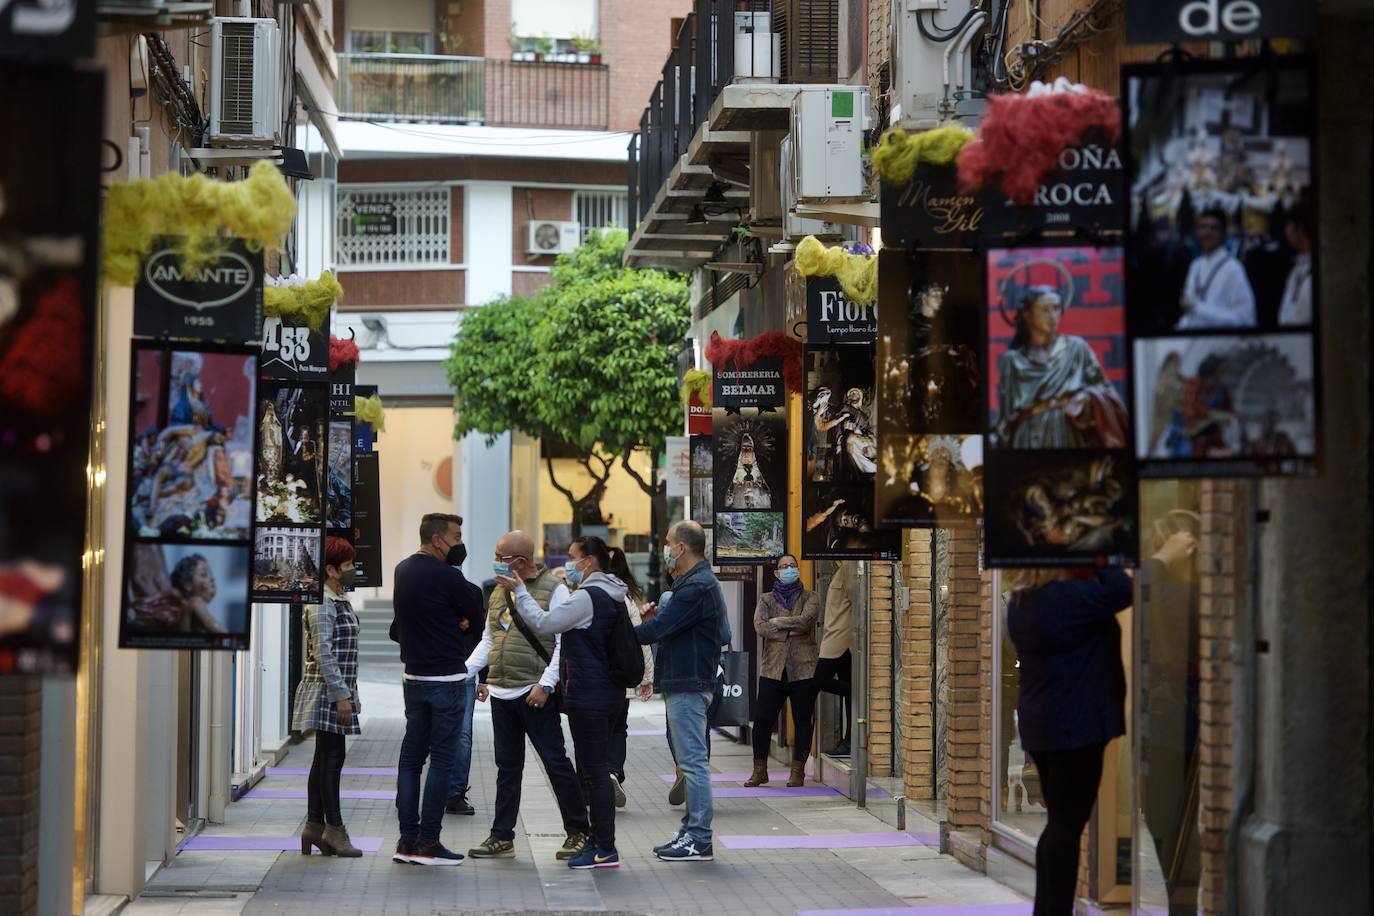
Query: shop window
(600,210)
(393,228)
(1018,801)
(390,42)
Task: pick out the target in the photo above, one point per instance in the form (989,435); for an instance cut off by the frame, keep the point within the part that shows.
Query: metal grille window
(601,210)
(393,227)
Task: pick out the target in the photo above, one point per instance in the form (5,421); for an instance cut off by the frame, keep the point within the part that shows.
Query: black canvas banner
(294,351)
(293,419)
(1081,199)
(339,455)
(930,211)
(831,318)
(1222,260)
(749,462)
(189,524)
(49,218)
(218,300)
(1169,21)
(367,519)
(930,404)
(50,29)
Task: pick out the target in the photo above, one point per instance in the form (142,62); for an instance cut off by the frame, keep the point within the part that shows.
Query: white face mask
(668,557)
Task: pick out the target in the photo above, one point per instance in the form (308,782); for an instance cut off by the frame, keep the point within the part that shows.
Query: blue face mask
(572,572)
(788,575)
(501,569)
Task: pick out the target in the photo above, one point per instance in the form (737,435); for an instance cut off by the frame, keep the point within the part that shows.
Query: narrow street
(777,851)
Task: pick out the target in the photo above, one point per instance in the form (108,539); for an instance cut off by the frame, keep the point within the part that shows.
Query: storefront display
(48,223)
(749,462)
(1223,307)
(1061,487)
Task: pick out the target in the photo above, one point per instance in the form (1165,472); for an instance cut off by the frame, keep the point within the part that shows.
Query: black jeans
(322,806)
(716,699)
(1069,781)
(772,694)
(835,675)
(591,734)
(434,716)
(620,732)
(512,721)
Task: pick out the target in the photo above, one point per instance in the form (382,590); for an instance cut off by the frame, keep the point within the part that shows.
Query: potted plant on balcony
(588,49)
(543,47)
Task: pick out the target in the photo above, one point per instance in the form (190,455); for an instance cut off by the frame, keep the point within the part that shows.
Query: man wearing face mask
(433,600)
(521,678)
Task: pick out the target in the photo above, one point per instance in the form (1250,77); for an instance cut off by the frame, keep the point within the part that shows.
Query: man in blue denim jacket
(689,630)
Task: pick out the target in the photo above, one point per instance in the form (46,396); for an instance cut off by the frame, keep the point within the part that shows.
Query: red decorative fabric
(342,352)
(1021,138)
(741,354)
(36,371)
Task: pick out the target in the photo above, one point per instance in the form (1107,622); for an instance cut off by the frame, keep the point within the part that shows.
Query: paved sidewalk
(784,881)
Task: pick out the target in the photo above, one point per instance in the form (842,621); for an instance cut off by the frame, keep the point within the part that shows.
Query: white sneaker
(619,792)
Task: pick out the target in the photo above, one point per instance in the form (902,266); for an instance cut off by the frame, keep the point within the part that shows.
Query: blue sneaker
(668,845)
(591,857)
(687,849)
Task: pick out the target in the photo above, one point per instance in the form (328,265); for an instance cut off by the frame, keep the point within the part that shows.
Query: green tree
(594,357)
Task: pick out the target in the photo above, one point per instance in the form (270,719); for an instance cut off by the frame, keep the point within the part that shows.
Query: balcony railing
(436,89)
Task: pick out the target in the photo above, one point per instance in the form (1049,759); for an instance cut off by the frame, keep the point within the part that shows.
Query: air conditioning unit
(794,227)
(549,236)
(245,82)
(828,125)
(932,82)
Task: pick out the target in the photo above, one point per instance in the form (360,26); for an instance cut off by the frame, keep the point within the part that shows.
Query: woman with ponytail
(786,621)
(634,603)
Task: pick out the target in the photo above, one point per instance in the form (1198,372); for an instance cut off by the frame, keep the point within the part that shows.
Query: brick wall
(409,289)
(636,36)
(1220,562)
(970,699)
(880,687)
(918,668)
(21,707)
(879,39)
(527,283)
(535,204)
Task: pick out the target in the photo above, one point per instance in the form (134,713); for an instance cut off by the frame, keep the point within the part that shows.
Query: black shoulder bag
(535,644)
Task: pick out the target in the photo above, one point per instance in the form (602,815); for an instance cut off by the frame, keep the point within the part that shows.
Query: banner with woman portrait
(1060,462)
(749,463)
(1222,261)
(929,385)
(189,522)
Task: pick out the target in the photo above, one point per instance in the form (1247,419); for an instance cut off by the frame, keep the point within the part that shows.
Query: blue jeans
(691,749)
(462,760)
(434,715)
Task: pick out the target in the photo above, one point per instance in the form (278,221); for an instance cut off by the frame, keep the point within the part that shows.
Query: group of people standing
(548,644)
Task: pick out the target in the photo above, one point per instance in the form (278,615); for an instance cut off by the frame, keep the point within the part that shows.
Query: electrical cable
(946,36)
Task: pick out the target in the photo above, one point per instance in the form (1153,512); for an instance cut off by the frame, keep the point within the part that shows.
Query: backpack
(625,655)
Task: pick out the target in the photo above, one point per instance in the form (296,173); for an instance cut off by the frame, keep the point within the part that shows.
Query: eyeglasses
(506,558)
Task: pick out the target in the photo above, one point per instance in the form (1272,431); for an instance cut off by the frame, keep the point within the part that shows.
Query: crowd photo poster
(1221,268)
(190,496)
(929,387)
(749,463)
(49,220)
(1061,484)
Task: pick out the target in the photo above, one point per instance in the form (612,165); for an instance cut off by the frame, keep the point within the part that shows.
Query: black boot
(458,804)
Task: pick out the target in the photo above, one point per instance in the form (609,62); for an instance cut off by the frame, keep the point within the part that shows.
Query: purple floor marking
(646,732)
(735,777)
(347,771)
(379,794)
(886,839)
(973,909)
(204,843)
(771,791)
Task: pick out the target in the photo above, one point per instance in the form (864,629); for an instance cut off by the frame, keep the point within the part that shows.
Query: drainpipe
(218,726)
(859,688)
(1244,647)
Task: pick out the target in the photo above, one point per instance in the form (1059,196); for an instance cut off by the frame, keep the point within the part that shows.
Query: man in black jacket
(433,600)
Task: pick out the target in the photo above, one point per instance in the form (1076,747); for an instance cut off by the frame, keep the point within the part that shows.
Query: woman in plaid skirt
(327,700)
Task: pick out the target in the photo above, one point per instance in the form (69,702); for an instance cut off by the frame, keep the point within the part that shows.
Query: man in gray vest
(522,677)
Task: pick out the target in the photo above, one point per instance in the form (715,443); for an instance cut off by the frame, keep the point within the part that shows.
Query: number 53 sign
(292,351)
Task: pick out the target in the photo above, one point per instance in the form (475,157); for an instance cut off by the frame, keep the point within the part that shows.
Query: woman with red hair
(327,700)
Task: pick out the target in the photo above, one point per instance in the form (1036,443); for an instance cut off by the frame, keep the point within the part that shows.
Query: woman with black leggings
(1072,700)
(786,621)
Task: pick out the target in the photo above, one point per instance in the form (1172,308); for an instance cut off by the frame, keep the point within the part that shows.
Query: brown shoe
(335,842)
(310,836)
(798,774)
(760,774)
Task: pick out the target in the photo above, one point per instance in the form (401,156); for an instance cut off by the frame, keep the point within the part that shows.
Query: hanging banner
(339,454)
(1061,485)
(189,527)
(49,218)
(56,29)
(832,319)
(218,300)
(1222,261)
(294,351)
(1083,197)
(930,211)
(291,509)
(367,520)
(701,505)
(749,440)
(1170,21)
(929,386)
(679,467)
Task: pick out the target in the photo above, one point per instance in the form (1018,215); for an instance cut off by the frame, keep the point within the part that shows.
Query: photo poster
(930,404)
(293,427)
(367,501)
(189,522)
(839,448)
(1222,267)
(49,231)
(220,299)
(749,463)
(339,454)
(701,505)
(677,467)
(1060,461)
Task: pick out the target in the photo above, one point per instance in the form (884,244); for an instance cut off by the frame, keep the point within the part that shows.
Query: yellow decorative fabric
(307,304)
(369,410)
(696,382)
(259,210)
(899,153)
(857,273)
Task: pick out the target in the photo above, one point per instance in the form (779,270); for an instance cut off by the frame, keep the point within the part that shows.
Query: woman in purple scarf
(786,621)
